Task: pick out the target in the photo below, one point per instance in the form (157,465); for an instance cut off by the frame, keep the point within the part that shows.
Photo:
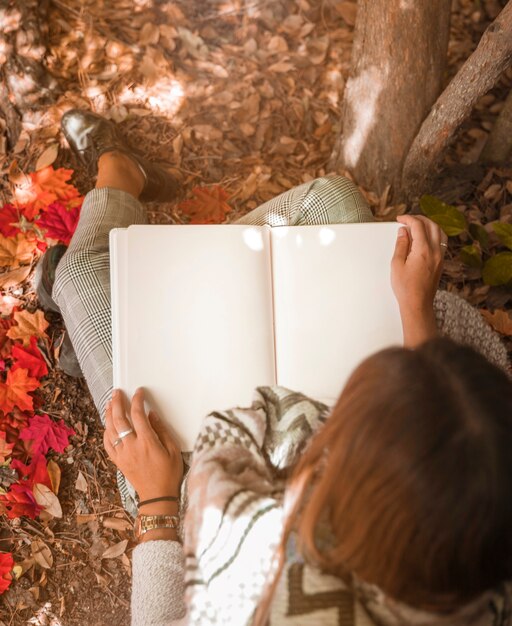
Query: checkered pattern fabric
(82,284)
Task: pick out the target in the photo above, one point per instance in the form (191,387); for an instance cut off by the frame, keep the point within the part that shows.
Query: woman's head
(413,475)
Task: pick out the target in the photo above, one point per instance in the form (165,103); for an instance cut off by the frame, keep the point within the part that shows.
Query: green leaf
(498,269)
(450,219)
(471,255)
(478,232)
(504,233)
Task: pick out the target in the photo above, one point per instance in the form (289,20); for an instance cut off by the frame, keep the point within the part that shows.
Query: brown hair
(412,474)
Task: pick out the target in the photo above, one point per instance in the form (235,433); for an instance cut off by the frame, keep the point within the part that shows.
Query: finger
(417,229)
(401,246)
(139,416)
(120,420)
(164,433)
(434,231)
(109,424)
(109,448)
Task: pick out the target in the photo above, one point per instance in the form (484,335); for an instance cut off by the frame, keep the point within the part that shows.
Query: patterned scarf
(234,522)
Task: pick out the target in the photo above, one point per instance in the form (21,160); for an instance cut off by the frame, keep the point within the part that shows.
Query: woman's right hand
(415,271)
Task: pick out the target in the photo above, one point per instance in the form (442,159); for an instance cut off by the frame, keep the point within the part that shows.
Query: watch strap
(144,523)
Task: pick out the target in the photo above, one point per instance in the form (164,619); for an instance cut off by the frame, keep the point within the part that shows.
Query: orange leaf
(42,188)
(499,320)
(16,251)
(28,325)
(209,206)
(5,448)
(14,392)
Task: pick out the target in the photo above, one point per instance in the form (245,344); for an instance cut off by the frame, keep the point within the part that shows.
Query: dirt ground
(246,94)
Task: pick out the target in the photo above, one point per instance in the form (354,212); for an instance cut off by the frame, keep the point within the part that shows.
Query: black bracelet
(163,498)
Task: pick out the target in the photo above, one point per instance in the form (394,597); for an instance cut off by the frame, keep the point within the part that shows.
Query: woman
(397,511)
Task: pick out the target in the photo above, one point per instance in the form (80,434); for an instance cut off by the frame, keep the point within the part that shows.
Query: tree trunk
(398,60)
(24,79)
(498,147)
(478,74)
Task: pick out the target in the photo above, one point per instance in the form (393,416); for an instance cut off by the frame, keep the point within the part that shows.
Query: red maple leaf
(29,358)
(6,565)
(44,434)
(15,420)
(209,205)
(14,392)
(35,472)
(58,222)
(19,500)
(5,342)
(8,216)
(44,187)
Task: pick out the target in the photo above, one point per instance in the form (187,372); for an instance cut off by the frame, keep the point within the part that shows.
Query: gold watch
(143,523)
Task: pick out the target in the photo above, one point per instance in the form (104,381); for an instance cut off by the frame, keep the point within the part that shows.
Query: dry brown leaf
(82,518)
(16,251)
(348,11)
(47,157)
(116,550)
(499,320)
(48,500)
(41,553)
(28,325)
(149,34)
(14,277)
(81,483)
(55,475)
(281,67)
(117,523)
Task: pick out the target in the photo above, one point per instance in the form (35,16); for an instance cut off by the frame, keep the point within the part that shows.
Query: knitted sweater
(158,591)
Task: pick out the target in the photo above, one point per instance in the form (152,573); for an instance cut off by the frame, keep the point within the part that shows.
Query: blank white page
(192,315)
(333,303)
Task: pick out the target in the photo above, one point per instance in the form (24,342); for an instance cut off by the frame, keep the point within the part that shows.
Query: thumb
(401,246)
(163,432)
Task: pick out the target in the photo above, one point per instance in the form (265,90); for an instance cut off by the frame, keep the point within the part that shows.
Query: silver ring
(121,436)
(444,245)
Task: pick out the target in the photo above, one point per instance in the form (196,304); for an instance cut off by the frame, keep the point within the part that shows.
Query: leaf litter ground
(241,101)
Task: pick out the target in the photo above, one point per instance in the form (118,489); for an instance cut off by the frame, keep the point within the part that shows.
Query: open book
(201,315)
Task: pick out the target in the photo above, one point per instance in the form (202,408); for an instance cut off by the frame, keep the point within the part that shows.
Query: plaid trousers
(82,282)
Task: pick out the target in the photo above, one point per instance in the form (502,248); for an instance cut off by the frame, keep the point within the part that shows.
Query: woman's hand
(415,271)
(149,457)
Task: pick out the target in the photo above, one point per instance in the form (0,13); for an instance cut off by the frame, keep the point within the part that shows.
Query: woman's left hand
(149,457)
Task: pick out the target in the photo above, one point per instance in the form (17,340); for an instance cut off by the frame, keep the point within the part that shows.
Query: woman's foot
(91,136)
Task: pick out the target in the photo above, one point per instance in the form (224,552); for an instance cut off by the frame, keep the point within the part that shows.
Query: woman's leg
(82,280)
(328,200)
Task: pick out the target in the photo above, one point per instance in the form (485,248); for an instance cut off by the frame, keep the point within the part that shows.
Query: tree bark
(24,79)
(478,74)
(498,147)
(398,60)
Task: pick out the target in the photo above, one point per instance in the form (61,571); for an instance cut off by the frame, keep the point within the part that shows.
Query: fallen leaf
(348,11)
(5,448)
(209,205)
(14,277)
(14,391)
(116,550)
(55,474)
(19,500)
(85,518)
(117,523)
(45,434)
(81,483)
(6,566)
(48,500)
(47,157)
(35,472)
(41,553)
(57,222)
(28,325)
(29,358)
(9,218)
(499,320)
(16,251)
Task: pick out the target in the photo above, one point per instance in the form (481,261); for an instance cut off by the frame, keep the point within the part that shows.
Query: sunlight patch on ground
(165,96)
(361,94)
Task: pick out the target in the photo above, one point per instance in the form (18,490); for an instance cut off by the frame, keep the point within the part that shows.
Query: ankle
(120,171)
